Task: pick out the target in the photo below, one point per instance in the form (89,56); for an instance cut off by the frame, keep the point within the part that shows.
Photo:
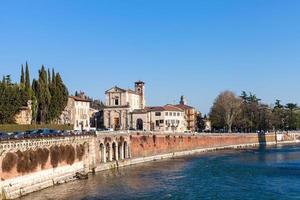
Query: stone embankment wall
(34,164)
(149,145)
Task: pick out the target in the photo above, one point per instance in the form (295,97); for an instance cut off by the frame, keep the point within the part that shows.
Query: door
(116,123)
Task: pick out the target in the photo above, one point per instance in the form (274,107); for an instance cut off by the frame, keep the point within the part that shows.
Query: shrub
(21,164)
(9,161)
(32,160)
(62,155)
(43,155)
(79,151)
(54,154)
(69,154)
(27,161)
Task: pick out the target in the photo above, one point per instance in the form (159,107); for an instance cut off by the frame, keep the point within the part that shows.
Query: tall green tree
(27,78)
(225,110)
(291,116)
(43,96)
(278,116)
(10,100)
(49,77)
(59,97)
(22,78)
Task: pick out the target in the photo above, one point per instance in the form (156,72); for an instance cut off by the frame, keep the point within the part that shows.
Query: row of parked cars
(38,133)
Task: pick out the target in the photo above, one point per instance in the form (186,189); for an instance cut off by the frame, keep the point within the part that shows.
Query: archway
(108,153)
(114,151)
(120,151)
(125,150)
(102,153)
(139,124)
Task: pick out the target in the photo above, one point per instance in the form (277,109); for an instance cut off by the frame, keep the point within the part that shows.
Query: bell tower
(183,100)
(140,89)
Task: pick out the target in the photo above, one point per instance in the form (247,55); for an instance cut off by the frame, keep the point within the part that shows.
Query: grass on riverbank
(19,127)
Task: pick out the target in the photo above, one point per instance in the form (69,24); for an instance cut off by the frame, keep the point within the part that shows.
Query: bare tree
(225,109)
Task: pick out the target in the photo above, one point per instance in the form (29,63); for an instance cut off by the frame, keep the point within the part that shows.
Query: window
(171,114)
(178,114)
(161,121)
(167,113)
(157,122)
(116,102)
(158,114)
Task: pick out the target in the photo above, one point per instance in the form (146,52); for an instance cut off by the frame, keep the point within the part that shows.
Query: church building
(126,110)
(119,104)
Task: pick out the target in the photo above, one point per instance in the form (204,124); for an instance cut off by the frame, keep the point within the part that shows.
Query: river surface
(264,173)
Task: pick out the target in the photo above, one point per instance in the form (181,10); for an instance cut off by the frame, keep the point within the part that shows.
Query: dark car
(4,136)
(31,134)
(17,135)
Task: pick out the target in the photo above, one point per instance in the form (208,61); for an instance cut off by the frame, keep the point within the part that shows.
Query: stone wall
(149,145)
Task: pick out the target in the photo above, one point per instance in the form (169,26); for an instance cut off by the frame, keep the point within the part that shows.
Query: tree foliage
(48,95)
(255,116)
(12,97)
(225,110)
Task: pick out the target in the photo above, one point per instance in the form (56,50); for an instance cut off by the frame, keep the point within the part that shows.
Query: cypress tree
(43,96)
(27,81)
(59,97)
(53,75)
(34,99)
(22,79)
(49,77)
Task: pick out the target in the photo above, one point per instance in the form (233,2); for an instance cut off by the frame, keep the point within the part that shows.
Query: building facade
(119,103)
(159,119)
(24,116)
(77,113)
(126,110)
(190,114)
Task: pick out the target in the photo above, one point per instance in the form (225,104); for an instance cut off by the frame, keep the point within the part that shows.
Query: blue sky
(192,48)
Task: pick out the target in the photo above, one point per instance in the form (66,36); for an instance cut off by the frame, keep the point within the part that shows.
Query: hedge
(19,127)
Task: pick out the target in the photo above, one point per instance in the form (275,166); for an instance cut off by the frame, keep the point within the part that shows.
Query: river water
(264,173)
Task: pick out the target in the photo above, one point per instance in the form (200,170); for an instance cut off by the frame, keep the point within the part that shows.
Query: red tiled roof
(140,111)
(154,108)
(79,99)
(172,108)
(164,108)
(184,107)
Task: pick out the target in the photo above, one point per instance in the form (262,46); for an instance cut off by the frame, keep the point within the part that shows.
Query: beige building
(161,119)
(190,114)
(119,103)
(77,113)
(126,109)
(25,114)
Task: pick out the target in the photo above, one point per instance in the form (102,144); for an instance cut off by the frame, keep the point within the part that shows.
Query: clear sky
(192,48)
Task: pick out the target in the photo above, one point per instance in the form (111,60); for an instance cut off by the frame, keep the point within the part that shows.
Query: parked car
(4,136)
(17,135)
